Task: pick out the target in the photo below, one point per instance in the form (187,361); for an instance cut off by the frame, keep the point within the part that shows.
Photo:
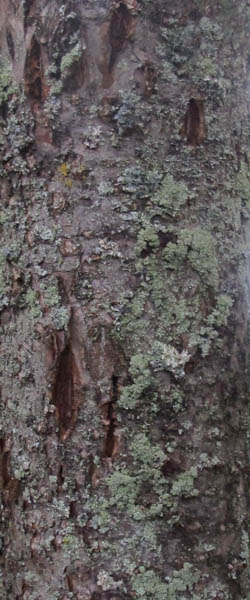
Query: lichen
(8,87)
(172,196)
(148,584)
(60,317)
(147,237)
(32,302)
(196,247)
(184,484)
(165,356)
(50,294)
(4,283)
(142,377)
(70,59)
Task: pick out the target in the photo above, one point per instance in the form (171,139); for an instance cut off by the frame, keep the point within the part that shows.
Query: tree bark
(124,299)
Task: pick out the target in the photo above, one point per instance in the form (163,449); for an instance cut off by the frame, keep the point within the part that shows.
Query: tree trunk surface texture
(124,299)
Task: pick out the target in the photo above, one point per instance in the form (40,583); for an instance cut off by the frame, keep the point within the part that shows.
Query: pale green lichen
(172,196)
(60,317)
(126,488)
(93,136)
(146,455)
(175,399)
(4,282)
(70,59)
(207,335)
(50,294)
(245,553)
(219,316)
(184,484)
(197,248)
(107,582)
(166,357)
(142,379)
(147,237)
(8,87)
(148,584)
(243,183)
(32,302)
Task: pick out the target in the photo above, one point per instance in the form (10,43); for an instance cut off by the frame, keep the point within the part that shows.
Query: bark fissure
(194,123)
(119,32)
(110,447)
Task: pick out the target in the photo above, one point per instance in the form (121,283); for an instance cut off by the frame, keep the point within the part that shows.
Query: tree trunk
(124,298)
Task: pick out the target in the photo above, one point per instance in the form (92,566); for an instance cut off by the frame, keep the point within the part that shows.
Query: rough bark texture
(124,298)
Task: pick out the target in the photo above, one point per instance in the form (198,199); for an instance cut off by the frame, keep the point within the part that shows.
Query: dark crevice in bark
(5,477)
(73,510)
(172,467)
(60,479)
(110,446)
(119,30)
(10,486)
(63,397)
(33,75)
(194,127)
(4,111)
(70,583)
(27,5)
(10,43)
(67,29)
